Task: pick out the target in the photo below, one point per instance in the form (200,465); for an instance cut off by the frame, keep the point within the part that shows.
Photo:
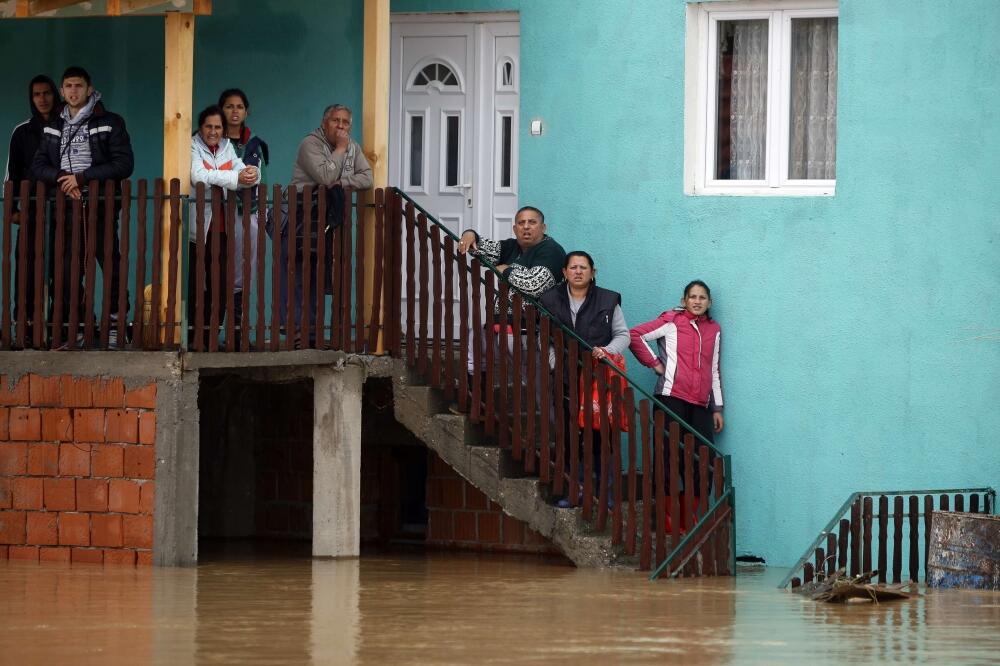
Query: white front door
(453,114)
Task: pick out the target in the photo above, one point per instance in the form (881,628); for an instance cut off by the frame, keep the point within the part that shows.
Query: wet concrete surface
(260,606)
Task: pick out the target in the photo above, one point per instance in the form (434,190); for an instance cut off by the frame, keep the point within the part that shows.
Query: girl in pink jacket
(686,359)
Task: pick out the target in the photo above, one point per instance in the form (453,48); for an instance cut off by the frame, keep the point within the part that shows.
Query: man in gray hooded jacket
(330,161)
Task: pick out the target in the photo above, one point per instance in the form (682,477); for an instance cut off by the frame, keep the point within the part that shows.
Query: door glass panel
(416,151)
(505,150)
(451,151)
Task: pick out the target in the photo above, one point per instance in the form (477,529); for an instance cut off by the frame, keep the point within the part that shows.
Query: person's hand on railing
(467,243)
(69,184)
(599,353)
(248,175)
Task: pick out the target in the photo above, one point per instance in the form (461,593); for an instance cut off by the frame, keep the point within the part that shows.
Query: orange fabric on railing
(612,380)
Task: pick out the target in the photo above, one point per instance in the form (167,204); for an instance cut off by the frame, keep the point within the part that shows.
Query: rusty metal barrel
(964,551)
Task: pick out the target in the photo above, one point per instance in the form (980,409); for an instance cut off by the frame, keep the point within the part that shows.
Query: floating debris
(839,588)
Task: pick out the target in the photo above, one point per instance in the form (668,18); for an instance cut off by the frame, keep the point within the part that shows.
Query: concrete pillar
(337,461)
(175,513)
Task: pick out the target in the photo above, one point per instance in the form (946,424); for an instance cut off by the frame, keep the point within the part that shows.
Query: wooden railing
(116,270)
(457,340)
(866,518)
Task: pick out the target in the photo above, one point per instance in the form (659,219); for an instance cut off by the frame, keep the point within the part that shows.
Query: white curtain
(812,152)
(748,116)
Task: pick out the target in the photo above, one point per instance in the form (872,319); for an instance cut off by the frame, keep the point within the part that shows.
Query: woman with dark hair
(254,152)
(595,315)
(213,162)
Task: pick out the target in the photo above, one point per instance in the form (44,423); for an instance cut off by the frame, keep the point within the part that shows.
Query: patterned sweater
(532,272)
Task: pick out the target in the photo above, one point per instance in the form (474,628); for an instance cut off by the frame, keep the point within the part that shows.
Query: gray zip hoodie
(318,164)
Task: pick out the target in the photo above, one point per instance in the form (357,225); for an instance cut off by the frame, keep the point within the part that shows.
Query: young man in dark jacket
(84,143)
(24,142)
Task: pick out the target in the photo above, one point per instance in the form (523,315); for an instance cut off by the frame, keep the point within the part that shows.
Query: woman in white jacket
(213,162)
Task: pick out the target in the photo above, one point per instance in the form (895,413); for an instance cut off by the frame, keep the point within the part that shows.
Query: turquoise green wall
(861,331)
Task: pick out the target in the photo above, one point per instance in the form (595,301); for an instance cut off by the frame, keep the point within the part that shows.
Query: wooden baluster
(276,241)
(532,393)
(855,530)
(914,510)
(897,539)
(796,582)
(337,290)
(516,380)
(359,271)
(721,540)
(199,269)
(475,342)
(21,323)
(807,572)
(139,331)
(866,521)
(411,288)
(215,278)
(559,387)
(123,264)
(245,314)
(396,267)
(291,251)
(39,315)
(960,503)
(490,363)
(820,567)
(928,518)
(75,262)
(8,231)
(448,328)
(157,231)
(347,242)
(689,501)
(381,287)
(703,455)
(436,309)
(106,261)
(831,553)
(600,379)
(615,469)
(943,503)
(973,503)
(173,260)
(883,539)
(461,354)
(842,544)
(631,523)
(673,469)
(661,489)
(90,265)
(501,338)
(581,409)
(306,335)
(645,546)
(322,261)
(259,263)
(573,441)
(545,404)
(422,350)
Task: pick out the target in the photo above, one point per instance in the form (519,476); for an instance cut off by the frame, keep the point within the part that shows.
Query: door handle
(467,192)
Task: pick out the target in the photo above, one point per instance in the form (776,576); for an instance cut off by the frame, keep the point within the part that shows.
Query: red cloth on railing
(614,382)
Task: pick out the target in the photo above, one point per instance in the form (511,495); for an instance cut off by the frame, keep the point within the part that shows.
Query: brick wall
(460,516)
(77,463)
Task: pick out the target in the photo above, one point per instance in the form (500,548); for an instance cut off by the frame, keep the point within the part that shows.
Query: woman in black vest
(595,315)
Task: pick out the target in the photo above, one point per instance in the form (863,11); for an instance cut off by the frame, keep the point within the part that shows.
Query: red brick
(465,526)
(43,459)
(76,392)
(88,555)
(122,426)
(88,425)
(24,553)
(12,525)
(42,528)
(144,558)
(13,458)
(61,554)
(137,531)
(451,493)
(474,498)
(119,556)
(513,531)
(44,391)
(143,397)
(25,424)
(489,527)
(3,552)
(26,493)
(140,462)
(6,500)
(74,529)
(123,496)
(74,459)
(60,494)
(107,460)
(108,393)
(147,428)
(439,525)
(106,530)
(4,422)
(147,497)
(91,495)
(57,425)
(13,393)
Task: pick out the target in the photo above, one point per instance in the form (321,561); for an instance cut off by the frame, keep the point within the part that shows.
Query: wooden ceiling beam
(52,8)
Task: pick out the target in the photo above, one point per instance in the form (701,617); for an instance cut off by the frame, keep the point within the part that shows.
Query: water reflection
(252,606)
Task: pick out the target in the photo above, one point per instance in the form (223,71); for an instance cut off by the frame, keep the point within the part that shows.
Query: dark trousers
(71,282)
(213,302)
(699,418)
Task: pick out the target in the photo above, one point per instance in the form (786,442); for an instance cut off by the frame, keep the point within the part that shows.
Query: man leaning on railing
(531,262)
(84,143)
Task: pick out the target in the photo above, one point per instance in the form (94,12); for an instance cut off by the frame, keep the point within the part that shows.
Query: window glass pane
(741,100)
(416,151)
(451,152)
(812,145)
(505,152)
(508,74)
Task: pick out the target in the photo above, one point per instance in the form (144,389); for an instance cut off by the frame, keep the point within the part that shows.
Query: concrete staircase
(490,469)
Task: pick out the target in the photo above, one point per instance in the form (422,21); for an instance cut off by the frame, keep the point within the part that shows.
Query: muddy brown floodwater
(443,608)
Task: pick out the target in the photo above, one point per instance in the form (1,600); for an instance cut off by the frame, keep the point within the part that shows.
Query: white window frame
(700,96)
